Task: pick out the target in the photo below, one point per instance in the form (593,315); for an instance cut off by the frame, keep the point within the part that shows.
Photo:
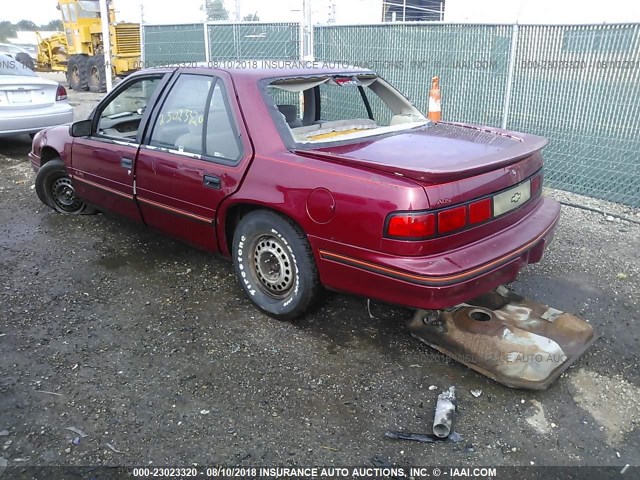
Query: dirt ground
(149,346)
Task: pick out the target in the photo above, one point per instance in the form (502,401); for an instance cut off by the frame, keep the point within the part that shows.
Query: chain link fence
(256,41)
(167,44)
(579,86)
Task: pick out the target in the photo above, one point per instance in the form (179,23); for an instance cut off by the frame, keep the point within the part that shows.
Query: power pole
(332,12)
(307,31)
(106,43)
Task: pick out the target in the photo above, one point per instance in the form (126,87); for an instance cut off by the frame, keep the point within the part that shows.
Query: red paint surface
(340,196)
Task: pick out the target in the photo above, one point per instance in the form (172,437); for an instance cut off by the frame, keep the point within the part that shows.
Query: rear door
(103,163)
(195,155)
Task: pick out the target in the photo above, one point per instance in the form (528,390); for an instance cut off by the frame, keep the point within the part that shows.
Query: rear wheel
(55,189)
(77,72)
(275,265)
(97,79)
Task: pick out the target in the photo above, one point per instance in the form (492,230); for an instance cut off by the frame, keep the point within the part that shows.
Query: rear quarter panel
(359,205)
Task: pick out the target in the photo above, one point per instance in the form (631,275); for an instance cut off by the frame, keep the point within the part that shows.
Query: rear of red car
(394,207)
(485,217)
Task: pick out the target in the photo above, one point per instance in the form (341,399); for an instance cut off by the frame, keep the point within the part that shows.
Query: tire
(78,72)
(265,240)
(55,189)
(25,60)
(97,80)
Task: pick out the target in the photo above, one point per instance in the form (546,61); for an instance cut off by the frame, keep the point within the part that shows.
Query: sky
(349,11)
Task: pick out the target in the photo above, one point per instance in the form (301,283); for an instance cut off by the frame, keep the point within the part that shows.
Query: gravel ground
(150,347)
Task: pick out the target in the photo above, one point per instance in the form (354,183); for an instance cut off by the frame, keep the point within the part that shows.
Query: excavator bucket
(511,339)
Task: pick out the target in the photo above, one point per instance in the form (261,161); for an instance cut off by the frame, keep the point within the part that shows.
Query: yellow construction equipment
(78,51)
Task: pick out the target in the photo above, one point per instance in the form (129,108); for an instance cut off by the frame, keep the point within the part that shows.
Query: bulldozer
(78,50)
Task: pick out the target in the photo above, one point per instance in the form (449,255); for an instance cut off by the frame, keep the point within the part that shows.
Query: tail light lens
(422,225)
(480,211)
(536,184)
(452,219)
(412,226)
(61,93)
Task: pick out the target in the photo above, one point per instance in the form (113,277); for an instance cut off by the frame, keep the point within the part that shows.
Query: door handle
(212,181)
(126,163)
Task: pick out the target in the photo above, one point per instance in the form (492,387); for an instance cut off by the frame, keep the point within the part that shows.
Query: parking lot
(150,348)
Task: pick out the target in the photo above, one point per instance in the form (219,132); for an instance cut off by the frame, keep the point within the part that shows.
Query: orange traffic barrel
(434,100)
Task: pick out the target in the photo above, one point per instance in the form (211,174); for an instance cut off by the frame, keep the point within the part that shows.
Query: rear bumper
(445,279)
(17,122)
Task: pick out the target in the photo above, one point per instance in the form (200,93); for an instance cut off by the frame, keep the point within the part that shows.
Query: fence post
(301,41)
(142,42)
(207,46)
(236,41)
(511,67)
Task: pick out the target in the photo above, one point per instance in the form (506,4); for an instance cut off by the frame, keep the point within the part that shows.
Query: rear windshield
(339,108)
(10,66)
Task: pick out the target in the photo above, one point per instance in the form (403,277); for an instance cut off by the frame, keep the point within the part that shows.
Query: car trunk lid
(437,153)
(20,92)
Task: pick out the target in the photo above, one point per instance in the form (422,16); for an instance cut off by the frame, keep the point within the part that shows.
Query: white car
(29,103)
(23,55)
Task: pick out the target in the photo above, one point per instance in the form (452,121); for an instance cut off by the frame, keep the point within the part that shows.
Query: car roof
(19,47)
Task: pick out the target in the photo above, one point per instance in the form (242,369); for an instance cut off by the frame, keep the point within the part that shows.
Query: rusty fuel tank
(511,339)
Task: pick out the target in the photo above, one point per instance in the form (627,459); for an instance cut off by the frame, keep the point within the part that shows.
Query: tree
(7,30)
(52,25)
(252,17)
(215,10)
(26,25)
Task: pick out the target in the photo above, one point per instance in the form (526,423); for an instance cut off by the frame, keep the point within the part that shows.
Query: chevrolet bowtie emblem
(516,197)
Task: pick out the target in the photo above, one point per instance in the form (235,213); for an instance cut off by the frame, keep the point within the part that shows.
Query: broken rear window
(339,108)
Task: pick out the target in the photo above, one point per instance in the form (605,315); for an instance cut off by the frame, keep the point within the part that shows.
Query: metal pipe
(445,410)
(512,63)
(142,35)
(207,43)
(106,43)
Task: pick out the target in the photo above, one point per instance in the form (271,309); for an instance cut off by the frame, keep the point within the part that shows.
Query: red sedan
(307,178)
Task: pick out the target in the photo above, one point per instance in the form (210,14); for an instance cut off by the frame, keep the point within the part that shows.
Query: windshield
(339,108)
(89,9)
(10,66)
(90,5)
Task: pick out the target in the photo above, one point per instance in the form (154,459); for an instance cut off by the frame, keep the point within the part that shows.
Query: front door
(102,164)
(194,156)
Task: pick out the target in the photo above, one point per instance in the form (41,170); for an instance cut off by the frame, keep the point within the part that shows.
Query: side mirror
(81,128)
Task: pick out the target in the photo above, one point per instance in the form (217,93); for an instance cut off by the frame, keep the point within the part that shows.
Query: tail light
(480,211)
(452,219)
(422,225)
(61,93)
(536,184)
(410,225)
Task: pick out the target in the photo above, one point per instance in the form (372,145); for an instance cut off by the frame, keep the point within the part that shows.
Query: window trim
(153,119)
(95,114)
